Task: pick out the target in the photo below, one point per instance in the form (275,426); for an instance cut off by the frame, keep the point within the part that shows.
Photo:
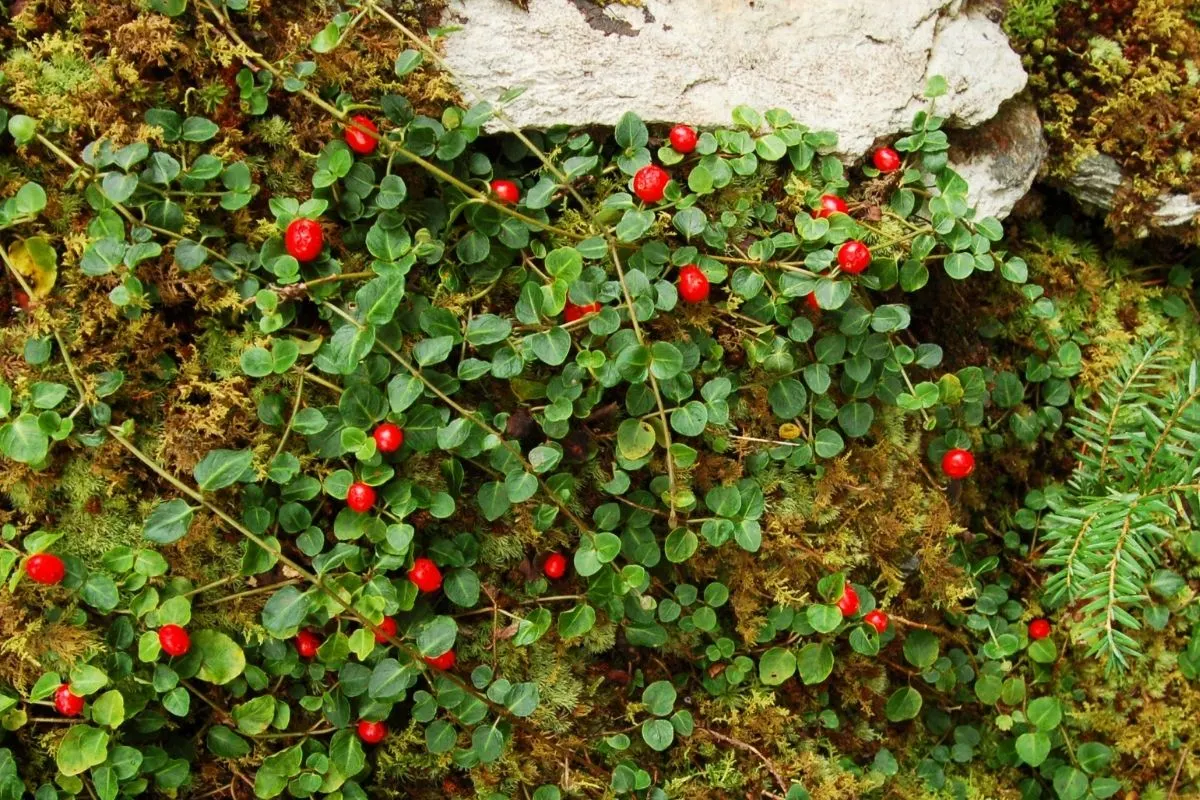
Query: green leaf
(904,704)
(440,737)
(404,390)
(659,698)
(1009,391)
(436,636)
(856,418)
(522,699)
(257,362)
(488,743)
(286,611)
(462,587)
(823,618)
(29,200)
(776,665)
(221,468)
(814,662)
(551,346)
(1015,270)
(1070,783)
(488,329)
(1093,756)
(658,734)
(221,659)
(168,522)
(960,265)
(326,38)
(1033,747)
(22,128)
(433,351)
(493,500)
(100,591)
(23,440)
(921,649)
(87,679)
(224,743)
(631,132)
(634,224)
(635,439)
(82,748)
(577,621)
(1045,713)
(198,129)
(690,221)
(532,628)
(690,419)
(254,716)
(408,61)
(389,680)
(378,299)
(109,709)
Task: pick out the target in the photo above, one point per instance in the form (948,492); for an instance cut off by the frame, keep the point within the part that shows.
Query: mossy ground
(90,69)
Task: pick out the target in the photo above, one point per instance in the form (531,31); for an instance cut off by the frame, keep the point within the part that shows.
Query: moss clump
(1121,79)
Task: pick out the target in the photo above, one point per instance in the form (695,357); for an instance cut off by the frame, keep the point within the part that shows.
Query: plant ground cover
(351,452)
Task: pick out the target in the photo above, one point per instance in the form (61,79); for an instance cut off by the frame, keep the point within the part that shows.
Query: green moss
(1117,79)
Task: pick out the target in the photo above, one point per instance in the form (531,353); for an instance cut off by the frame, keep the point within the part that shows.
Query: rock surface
(1097,179)
(857,67)
(1000,158)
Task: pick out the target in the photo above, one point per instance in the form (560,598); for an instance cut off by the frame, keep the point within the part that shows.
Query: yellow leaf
(37,262)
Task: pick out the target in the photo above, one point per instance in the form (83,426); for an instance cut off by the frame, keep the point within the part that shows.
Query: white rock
(857,67)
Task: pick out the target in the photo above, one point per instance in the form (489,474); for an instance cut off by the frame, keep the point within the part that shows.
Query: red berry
(506,191)
(174,640)
(307,643)
(811,300)
(555,566)
(67,703)
(886,159)
(1039,628)
(854,257)
(385,630)
(958,463)
(848,605)
(693,284)
(372,732)
(360,141)
(683,138)
(303,239)
(360,497)
(831,204)
(21,299)
(388,437)
(573,312)
(650,182)
(877,620)
(443,662)
(45,568)
(426,575)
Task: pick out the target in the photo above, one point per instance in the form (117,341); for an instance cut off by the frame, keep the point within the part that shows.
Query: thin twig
(774,770)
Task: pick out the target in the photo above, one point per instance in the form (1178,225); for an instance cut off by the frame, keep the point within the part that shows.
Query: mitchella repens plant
(552,354)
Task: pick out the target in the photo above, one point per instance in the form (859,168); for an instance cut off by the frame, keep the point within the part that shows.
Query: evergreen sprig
(1136,477)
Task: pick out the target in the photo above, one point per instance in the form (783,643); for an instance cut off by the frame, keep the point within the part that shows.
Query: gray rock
(1097,179)
(1000,158)
(857,67)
